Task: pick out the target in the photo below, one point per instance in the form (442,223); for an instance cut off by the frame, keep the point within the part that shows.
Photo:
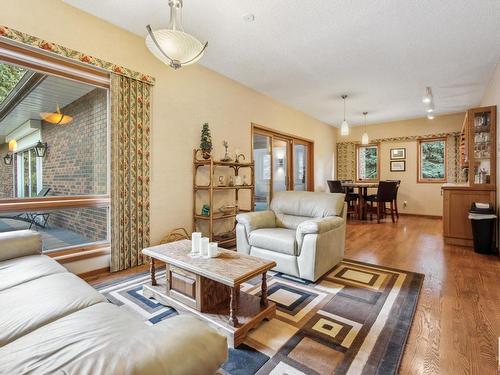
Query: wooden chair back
(335,186)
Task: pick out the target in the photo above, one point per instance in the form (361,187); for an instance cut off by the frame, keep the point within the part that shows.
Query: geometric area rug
(354,320)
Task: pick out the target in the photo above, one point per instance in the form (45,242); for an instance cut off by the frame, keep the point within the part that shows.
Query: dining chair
(398,182)
(386,193)
(335,186)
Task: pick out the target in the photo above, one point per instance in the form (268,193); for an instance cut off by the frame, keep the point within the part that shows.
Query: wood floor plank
(457,319)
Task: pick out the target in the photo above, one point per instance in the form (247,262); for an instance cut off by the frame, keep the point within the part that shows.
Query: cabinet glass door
(482,139)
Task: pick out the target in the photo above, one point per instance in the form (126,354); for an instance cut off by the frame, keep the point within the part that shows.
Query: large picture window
(367,163)
(432,160)
(63,193)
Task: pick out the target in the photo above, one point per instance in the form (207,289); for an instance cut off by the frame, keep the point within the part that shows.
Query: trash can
(482,217)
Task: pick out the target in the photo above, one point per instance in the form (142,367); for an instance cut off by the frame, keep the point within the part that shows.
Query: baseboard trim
(99,271)
(420,215)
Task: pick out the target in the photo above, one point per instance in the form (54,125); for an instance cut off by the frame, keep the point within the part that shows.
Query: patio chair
(30,217)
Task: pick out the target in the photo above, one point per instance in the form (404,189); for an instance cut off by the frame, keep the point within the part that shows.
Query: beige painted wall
(182,101)
(420,198)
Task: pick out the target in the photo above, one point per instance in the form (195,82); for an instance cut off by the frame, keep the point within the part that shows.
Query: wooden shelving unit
(227,239)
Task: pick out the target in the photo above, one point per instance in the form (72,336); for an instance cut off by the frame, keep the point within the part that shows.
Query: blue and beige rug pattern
(355,320)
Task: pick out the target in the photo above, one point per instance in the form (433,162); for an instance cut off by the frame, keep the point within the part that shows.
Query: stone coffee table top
(230,268)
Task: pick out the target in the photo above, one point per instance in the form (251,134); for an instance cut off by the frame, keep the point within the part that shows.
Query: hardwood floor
(457,321)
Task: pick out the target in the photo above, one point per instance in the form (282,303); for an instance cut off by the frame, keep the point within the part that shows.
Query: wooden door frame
(272,133)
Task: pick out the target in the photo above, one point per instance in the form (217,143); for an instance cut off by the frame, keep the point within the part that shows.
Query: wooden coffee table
(210,288)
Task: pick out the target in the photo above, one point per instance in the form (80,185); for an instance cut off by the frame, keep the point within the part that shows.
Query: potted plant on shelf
(206,141)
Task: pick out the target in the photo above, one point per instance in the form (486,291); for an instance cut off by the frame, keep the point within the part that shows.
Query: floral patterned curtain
(130,155)
(346,163)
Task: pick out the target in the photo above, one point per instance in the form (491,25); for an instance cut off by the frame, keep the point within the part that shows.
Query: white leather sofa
(303,232)
(52,322)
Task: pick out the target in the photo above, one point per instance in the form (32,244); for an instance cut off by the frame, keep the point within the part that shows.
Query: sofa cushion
(28,306)
(293,207)
(280,240)
(19,243)
(105,339)
(20,270)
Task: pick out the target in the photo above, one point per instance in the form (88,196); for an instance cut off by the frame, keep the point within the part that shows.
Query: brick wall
(76,163)
(6,175)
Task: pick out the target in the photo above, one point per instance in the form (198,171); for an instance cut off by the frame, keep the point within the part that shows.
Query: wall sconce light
(280,162)
(7,159)
(41,149)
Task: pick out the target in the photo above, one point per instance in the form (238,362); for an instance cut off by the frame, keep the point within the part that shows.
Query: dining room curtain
(346,163)
(130,170)
(453,158)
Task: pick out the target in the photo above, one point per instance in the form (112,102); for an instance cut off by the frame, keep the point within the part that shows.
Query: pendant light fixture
(364,138)
(172,45)
(427,98)
(56,118)
(344,128)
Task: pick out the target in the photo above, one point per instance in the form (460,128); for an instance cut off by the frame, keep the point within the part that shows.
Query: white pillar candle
(195,243)
(213,249)
(204,246)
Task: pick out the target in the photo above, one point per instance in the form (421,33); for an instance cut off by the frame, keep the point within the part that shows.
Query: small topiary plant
(206,141)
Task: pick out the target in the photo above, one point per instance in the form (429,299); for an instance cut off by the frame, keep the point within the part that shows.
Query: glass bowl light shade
(179,46)
(56,118)
(344,128)
(365,139)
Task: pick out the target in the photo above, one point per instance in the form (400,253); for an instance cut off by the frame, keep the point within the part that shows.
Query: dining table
(363,192)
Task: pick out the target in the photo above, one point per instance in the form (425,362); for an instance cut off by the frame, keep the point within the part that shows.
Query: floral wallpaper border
(32,41)
(406,138)
(346,154)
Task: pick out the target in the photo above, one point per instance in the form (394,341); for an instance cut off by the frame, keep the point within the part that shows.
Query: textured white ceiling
(307,53)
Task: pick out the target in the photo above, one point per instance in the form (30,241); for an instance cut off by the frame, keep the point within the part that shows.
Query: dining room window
(367,163)
(431,160)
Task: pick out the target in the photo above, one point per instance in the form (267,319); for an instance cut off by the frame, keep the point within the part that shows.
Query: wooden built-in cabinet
(477,164)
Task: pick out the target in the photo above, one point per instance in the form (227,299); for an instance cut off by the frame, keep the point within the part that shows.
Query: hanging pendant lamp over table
(364,138)
(172,45)
(344,128)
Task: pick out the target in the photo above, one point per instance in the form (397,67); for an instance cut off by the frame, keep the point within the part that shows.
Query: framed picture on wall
(398,166)
(398,153)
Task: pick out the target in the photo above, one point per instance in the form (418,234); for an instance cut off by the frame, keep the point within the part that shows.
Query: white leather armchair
(303,232)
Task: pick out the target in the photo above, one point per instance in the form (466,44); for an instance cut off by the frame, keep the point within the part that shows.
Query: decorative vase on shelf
(205,210)
(226,158)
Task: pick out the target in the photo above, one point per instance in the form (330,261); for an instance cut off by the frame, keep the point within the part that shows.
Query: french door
(282,162)
(29,174)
